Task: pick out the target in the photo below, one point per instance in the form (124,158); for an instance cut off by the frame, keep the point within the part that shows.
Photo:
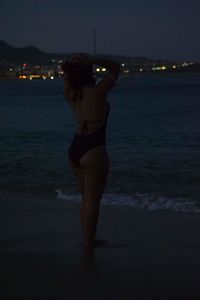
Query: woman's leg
(95,166)
(78,173)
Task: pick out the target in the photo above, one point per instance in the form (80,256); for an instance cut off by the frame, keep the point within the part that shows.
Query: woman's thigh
(95,166)
(79,175)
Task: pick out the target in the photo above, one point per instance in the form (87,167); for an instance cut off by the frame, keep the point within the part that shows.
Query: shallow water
(153,141)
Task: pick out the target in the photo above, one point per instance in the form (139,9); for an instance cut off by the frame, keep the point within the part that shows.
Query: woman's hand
(82,59)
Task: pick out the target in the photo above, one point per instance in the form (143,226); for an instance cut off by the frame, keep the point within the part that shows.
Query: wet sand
(150,255)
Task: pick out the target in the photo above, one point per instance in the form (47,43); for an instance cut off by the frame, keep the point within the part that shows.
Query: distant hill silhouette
(32,54)
(28,54)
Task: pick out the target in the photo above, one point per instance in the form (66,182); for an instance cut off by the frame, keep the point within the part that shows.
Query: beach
(150,213)
(150,254)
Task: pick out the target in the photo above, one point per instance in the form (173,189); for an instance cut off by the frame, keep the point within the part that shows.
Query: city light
(36,76)
(185,64)
(159,68)
(49,71)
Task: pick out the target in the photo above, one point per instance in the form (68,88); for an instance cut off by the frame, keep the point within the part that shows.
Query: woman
(87,154)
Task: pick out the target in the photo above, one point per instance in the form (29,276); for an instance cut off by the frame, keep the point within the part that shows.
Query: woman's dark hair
(79,75)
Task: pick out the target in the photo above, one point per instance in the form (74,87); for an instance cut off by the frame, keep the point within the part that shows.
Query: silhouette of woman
(87,153)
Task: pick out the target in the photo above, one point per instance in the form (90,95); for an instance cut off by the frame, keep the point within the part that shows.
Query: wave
(147,201)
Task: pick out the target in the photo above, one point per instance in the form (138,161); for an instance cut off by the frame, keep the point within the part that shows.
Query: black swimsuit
(82,143)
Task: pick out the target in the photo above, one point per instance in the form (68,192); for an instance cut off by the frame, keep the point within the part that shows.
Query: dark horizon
(159,30)
(100,54)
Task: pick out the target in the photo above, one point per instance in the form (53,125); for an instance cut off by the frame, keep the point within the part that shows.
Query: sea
(153,141)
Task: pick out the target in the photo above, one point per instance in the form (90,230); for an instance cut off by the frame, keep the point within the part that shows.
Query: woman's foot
(100,243)
(88,263)
(96,243)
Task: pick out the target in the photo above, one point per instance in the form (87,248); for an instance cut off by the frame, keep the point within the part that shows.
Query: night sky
(165,29)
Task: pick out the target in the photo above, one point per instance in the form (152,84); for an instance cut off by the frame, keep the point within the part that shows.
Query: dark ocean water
(153,141)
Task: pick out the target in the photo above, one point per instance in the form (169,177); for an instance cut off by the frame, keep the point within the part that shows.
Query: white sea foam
(147,201)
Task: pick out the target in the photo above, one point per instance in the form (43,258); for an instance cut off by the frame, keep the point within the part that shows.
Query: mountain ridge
(33,54)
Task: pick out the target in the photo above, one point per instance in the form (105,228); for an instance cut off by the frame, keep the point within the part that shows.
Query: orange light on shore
(35,76)
(22,77)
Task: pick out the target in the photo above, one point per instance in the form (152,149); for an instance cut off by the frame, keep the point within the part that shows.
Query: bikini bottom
(82,143)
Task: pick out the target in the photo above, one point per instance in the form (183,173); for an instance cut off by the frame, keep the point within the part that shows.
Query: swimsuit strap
(86,122)
(96,122)
(99,121)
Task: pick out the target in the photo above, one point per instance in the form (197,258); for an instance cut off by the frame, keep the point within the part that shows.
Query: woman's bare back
(88,107)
